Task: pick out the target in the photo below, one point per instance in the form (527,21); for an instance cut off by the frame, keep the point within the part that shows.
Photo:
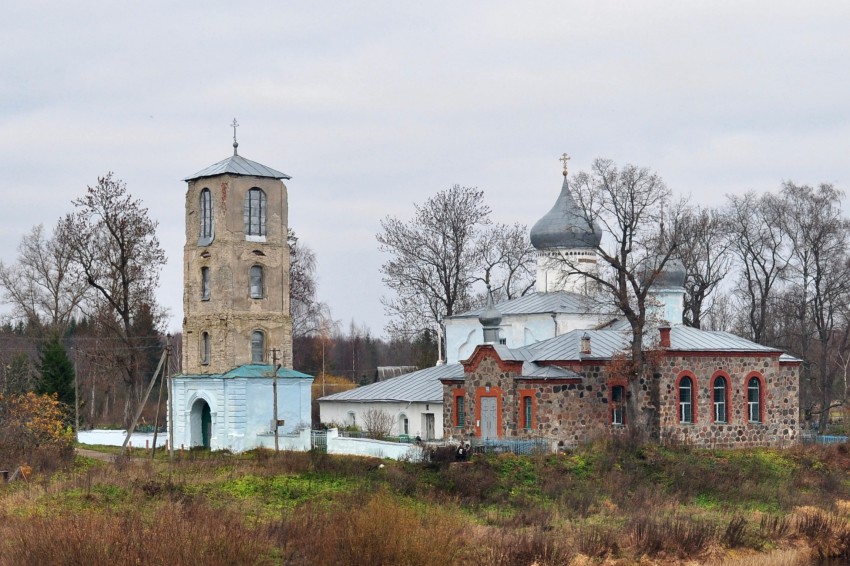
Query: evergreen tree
(57,371)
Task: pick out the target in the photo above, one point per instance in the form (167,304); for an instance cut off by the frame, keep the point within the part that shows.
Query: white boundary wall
(369,447)
(106,437)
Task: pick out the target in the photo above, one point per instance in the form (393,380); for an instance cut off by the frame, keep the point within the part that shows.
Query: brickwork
(572,411)
(230,315)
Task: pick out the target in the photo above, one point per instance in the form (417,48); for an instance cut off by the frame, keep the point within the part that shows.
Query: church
(237,329)
(544,366)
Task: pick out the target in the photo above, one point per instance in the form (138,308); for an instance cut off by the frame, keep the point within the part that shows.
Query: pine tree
(57,371)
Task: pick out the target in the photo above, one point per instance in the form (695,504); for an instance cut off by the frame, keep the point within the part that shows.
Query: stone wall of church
(572,411)
(779,424)
(230,315)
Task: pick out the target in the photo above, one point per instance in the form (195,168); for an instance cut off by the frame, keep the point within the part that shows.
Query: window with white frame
(404,424)
(721,410)
(618,400)
(686,398)
(754,400)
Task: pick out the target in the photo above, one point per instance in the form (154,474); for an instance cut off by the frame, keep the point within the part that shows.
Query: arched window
(258,345)
(255,213)
(403,424)
(460,414)
(205,283)
(686,400)
(206,234)
(721,409)
(256,284)
(205,348)
(754,399)
(351,419)
(527,413)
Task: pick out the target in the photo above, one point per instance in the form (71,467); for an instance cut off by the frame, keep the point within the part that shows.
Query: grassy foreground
(607,503)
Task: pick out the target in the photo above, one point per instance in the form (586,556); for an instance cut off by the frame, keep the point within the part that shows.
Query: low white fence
(298,442)
(370,447)
(106,437)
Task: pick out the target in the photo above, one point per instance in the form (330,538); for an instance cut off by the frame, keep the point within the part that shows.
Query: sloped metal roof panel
(695,339)
(238,165)
(421,386)
(539,303)
(530,369)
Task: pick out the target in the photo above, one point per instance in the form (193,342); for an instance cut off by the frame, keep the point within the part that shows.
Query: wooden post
(159,398)
(144,400)
(274,392)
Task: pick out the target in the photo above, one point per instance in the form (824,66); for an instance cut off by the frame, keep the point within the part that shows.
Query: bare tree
(627,205)
(41,286)
(507,260)
(378,423)
(703,247)
(754,225)
(433,261)
(115,248)
(819,294)
(309,315)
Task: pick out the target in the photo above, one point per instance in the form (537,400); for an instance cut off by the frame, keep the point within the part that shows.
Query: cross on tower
(563,159)
(234,125)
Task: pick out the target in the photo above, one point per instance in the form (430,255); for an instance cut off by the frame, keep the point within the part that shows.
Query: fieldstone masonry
(575,410)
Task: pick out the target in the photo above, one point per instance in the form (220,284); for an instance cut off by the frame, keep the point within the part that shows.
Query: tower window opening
(258,345)
(255,213)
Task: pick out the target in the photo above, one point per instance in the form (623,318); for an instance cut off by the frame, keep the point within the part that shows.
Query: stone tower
(563,238)
(236,268)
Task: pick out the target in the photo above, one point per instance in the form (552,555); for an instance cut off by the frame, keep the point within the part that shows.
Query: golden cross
(563,159)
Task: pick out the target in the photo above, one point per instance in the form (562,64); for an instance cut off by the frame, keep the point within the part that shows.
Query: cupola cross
(234,125)
(564,158)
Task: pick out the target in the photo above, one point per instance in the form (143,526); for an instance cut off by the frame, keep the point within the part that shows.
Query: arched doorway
(201,423)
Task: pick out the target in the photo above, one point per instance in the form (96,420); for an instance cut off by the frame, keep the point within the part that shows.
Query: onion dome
(490,317)
(565,226)
(673,274)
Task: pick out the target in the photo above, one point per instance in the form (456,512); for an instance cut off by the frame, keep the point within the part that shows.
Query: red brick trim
(728,379)
(522,394)
(460,392)
(483,351)
(494,392)
(760,378)
(694,389)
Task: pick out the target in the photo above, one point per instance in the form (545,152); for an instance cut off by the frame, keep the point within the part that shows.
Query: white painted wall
(369,447)
(240,408)
(337,412)
(105,437)
(518,330)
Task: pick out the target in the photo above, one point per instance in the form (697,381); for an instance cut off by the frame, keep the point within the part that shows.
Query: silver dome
(565,226)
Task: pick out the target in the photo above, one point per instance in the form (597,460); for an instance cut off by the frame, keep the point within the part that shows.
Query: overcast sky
(372,106)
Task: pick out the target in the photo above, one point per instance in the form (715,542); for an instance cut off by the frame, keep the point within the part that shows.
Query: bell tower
(236,267)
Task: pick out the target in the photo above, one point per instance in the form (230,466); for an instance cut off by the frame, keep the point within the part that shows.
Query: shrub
(32,431)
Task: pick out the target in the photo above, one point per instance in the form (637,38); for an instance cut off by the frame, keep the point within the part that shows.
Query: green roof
(255,370)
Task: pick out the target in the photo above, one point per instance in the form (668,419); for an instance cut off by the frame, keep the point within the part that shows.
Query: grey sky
(371,106)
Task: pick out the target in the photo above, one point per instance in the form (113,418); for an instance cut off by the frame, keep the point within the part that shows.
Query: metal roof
(421,386)
(565,226)
(254,371)
(540,303)
(238,165)
(694,339)
(530,369)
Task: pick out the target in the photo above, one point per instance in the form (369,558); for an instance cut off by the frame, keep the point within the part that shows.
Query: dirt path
(94,454)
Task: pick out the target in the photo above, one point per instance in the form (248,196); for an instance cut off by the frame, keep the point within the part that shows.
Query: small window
(258,347)
(404,424)
(205,348)
(527,413)
(460,415)
(255,213)
(754,400)
(618,398)
(205,283)
(206,234)
(686,408)
(351,419)
(256,285)
(721,414)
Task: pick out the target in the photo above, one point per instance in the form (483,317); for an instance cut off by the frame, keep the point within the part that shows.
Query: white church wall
(518,330)
(340,413)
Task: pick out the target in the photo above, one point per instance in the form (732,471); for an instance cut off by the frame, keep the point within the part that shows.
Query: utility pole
(76,397)
(274,392)
(159,397)
(170,405)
